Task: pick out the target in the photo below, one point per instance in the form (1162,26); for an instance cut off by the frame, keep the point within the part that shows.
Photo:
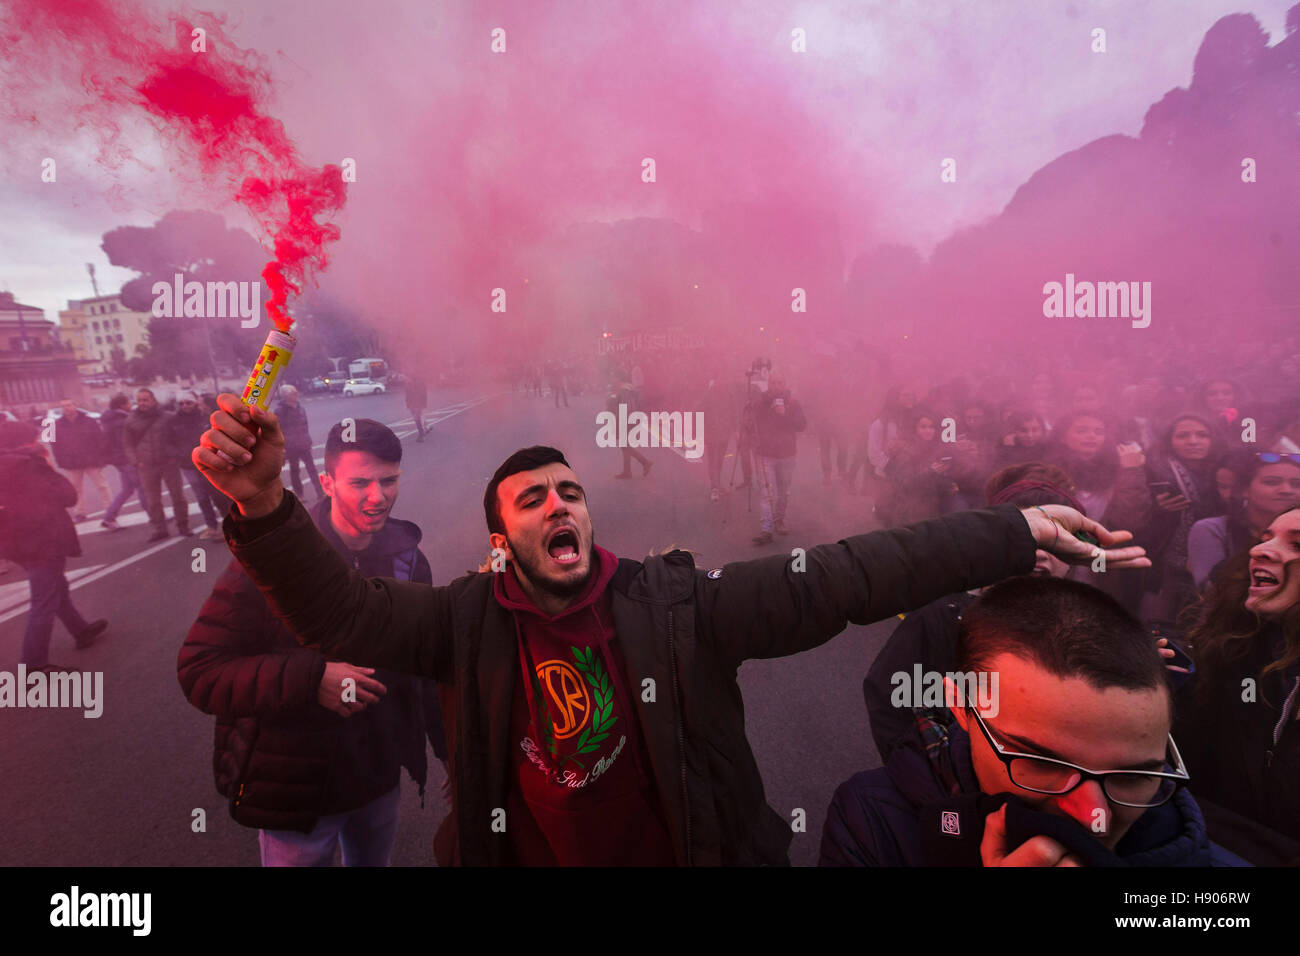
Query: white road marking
(83,576)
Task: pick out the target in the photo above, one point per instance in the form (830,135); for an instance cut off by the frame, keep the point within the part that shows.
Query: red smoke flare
(207,99)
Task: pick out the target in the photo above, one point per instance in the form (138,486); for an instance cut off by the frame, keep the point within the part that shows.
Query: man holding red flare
(591,704)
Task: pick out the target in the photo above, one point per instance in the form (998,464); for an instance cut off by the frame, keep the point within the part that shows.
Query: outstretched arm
(775,606)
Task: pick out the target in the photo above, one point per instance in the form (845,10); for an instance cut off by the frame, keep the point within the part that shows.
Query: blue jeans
(203,493)
(366,833)
(50,599)
(775,475)
(130,482)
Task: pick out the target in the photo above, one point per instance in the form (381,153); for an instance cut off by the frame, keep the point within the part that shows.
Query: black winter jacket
(112,421)
(293,422)
(146,439)
(34,498)
(282,758)
(78,443)
(183,434)
(777,431)
(1244,754)
(685,629)
(875,817)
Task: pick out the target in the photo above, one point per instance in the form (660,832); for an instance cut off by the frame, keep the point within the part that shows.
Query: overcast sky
(883,94)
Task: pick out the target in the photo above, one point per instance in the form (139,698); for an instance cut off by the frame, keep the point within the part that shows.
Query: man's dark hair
(120,400)
(525,459)
(1069,629)
(149,391)
(371,436)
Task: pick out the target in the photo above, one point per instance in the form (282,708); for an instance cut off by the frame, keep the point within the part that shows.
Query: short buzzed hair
(371,436)
(1069,629)
(525,459)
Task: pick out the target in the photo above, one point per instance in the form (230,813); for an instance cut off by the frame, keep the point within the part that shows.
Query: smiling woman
(1243,738)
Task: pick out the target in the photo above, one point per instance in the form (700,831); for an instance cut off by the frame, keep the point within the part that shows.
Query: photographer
(779,419)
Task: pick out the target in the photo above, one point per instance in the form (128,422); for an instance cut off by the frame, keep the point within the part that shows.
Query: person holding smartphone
(1182,480)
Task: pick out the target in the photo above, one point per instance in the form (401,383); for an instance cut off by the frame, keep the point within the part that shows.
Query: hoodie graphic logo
(574,704)
(568,697)
(950,823)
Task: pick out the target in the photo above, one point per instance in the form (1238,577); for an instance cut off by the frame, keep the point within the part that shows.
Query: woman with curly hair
(1240,727)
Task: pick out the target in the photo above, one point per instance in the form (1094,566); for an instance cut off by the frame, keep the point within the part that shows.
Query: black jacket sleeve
(231,665)
(769,607)
(404,626)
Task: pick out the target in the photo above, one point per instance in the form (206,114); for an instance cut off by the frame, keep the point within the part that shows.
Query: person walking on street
(79,450)
(297,440)
(557,376)
(146,441)
(185,426)
(37,533)
(119,410)
(626,395)
(417,397)
(779,419)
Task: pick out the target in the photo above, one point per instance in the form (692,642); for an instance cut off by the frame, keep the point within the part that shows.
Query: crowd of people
(1019,491)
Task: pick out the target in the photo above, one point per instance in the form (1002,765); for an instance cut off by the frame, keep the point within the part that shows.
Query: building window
(95,325)
(117,323)
(99,340)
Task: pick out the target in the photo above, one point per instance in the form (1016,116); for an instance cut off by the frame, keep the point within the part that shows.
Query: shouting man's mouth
(563,546)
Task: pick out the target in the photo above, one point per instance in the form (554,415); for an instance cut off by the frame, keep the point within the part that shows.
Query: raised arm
(380,622)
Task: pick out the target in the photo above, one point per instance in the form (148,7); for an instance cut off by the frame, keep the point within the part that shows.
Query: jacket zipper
(681,736)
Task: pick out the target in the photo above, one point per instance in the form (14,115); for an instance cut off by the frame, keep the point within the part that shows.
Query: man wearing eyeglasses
(1073,763)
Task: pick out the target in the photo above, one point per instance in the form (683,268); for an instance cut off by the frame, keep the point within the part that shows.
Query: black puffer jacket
(112,421)
(34,522)
(1240,738)
(78,442)
(281,757)
(683,628)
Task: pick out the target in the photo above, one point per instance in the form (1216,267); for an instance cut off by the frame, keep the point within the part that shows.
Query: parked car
(56,413)
(362,386)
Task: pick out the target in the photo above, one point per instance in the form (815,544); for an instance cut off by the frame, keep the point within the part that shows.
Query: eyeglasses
(1128,788)
(1273,457)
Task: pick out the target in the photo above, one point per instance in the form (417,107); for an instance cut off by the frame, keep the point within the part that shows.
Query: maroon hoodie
(580,793)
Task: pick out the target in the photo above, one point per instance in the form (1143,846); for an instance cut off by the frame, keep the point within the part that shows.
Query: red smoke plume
(204,95)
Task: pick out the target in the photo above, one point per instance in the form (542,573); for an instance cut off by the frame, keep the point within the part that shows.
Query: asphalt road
(124,789)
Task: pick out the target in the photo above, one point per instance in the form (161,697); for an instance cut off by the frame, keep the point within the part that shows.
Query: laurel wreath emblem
(602,720)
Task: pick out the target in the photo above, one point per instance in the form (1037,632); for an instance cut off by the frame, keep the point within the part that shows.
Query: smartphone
(1180,659)
(1162,487)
